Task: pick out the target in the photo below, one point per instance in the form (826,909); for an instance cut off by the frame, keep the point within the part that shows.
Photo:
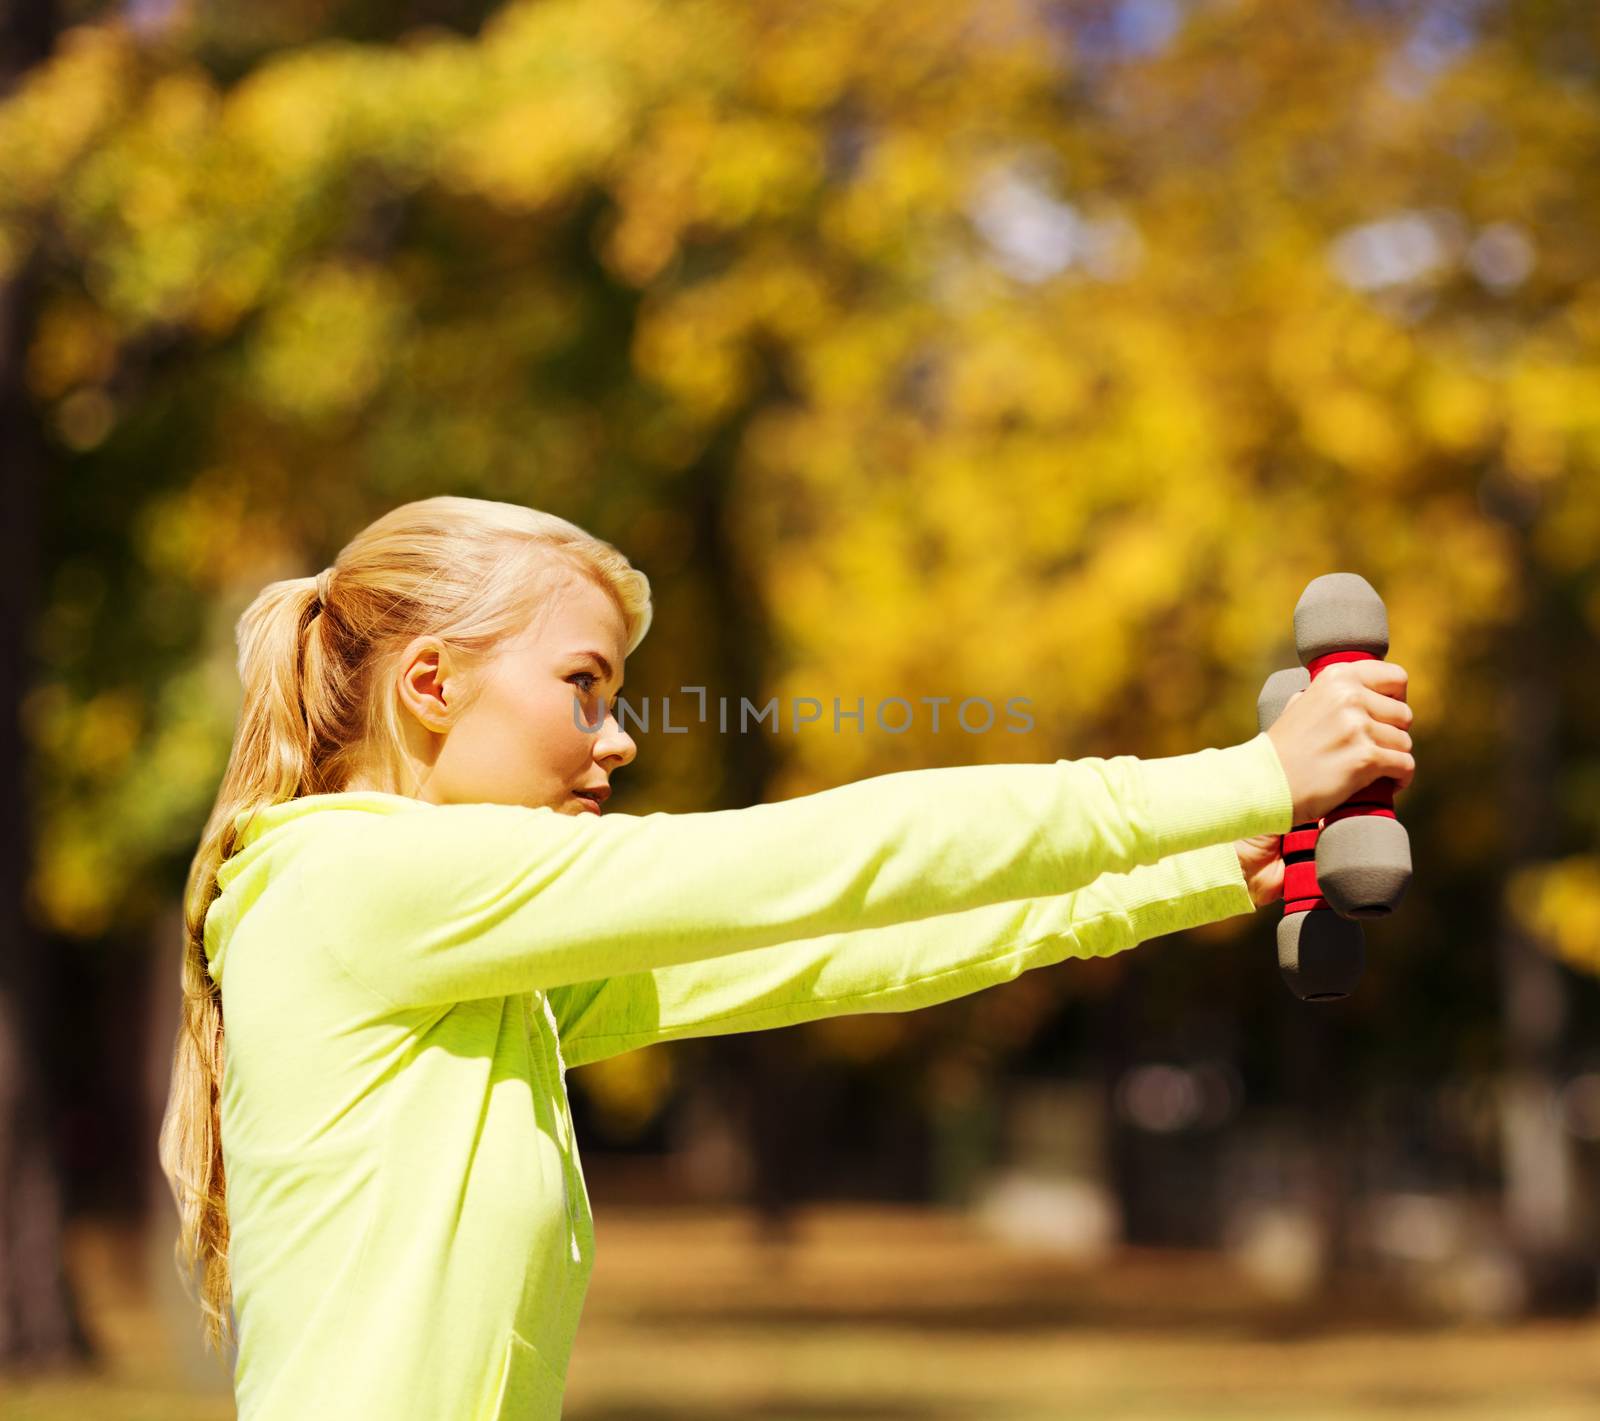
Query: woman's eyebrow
(605,666)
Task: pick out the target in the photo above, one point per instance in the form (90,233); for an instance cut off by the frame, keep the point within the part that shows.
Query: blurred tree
(1021,350)
(39,1322)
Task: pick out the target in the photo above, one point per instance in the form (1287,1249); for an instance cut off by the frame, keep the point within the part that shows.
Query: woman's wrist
(1261,864)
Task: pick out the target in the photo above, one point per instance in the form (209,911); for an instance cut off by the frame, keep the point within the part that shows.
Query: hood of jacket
(269,841)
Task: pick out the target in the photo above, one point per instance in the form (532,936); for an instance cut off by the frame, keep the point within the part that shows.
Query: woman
(414,913)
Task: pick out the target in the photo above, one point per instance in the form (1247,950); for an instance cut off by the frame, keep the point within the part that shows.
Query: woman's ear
(426,682)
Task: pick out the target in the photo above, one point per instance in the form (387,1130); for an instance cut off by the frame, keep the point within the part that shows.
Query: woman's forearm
(899,967)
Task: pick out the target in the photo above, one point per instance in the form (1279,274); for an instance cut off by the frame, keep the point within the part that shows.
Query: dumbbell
(1363,853)
(1357,862)
(1320,954)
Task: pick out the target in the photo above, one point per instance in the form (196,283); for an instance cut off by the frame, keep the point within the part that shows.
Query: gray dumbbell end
(1320,954)
(1340,611)
(1280,688)
(1364,865)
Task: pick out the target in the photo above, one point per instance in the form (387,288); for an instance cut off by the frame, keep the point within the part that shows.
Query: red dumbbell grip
(1300,891)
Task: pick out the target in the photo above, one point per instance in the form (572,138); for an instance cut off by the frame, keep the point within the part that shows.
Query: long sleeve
(460,901)
(900,967)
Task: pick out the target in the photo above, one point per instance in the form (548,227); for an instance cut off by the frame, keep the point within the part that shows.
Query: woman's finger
(1387,709)
(1390,737)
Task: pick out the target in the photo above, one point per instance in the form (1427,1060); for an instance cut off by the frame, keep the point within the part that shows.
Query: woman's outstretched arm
(900,967)
(445,903)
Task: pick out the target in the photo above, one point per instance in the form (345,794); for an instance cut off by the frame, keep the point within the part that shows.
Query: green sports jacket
(405,985)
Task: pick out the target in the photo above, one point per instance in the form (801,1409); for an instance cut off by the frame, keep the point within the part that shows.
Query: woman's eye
(588,676)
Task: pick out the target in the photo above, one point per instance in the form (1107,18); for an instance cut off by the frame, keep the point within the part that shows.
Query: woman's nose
(614,743)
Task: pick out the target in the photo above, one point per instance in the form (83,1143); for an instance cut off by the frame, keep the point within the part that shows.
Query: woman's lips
(588,804)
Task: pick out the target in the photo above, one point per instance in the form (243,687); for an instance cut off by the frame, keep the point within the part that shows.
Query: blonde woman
(414,913)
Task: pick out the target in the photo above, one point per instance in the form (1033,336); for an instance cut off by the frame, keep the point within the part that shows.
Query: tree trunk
(39,1324)
(737,647)
(1541,1212)
(1317,1059)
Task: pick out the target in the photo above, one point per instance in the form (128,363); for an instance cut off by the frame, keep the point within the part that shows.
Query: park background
(912,348)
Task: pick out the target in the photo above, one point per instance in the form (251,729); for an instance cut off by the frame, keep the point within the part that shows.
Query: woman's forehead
(583,618)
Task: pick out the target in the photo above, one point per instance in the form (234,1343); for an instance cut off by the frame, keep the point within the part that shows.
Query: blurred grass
(890,1314)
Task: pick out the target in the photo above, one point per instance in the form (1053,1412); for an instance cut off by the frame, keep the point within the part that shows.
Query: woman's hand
(1261,858)
(1351,726)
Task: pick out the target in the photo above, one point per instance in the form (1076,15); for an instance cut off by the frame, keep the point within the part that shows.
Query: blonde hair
(317,659)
